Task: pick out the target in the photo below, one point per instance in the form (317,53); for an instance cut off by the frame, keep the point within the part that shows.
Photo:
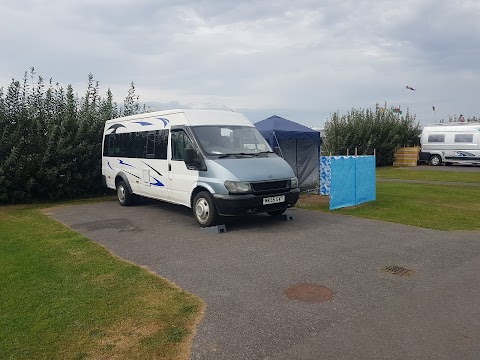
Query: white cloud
(303,57)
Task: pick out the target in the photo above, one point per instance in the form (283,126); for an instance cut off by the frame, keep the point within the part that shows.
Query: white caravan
(448,144)
(215,162)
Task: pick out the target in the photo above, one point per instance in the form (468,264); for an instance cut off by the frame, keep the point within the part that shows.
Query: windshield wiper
(264,152)
(235,154)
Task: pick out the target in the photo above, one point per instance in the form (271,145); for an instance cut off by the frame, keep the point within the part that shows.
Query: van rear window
(464,138)
(436,138)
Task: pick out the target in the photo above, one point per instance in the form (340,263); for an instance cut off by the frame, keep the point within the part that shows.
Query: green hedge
(50,139)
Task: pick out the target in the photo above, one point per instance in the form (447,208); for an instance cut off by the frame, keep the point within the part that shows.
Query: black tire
(204,209)
(276,212)
(435,160)
(123,195)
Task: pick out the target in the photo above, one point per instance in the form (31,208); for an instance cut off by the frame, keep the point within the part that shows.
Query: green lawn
(433,206)
(63,296)
(405,173)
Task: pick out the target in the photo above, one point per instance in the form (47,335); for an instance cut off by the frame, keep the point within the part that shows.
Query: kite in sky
(410,88)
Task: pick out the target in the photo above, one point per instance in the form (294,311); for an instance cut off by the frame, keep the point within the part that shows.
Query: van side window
(132,149)
(161,144)
(109,145)
(142,144)
(180,141)
(436,138)
(150,149)
(463,138)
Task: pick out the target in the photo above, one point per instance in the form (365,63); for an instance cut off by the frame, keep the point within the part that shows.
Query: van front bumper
(250,203)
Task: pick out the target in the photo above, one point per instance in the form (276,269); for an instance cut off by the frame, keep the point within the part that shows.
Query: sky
(302,60)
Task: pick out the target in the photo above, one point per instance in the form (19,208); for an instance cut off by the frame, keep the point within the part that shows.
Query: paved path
(243,275)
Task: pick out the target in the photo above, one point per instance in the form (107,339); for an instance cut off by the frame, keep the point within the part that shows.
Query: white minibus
(215,162)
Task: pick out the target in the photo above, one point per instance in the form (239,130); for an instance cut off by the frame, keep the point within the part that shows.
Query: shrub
(366,130)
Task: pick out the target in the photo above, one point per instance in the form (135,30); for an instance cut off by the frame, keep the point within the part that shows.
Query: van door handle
(169,167)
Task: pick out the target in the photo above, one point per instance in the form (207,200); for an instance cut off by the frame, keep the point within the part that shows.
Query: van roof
(195,117)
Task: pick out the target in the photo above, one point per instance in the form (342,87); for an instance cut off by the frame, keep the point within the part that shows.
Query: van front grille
(270,187)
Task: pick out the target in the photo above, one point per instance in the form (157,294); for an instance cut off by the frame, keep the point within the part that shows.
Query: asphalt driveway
(243,276)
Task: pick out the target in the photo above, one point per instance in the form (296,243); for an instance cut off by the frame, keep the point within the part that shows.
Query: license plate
(273,200)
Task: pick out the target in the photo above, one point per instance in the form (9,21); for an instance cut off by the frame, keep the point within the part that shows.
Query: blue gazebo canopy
(276,126)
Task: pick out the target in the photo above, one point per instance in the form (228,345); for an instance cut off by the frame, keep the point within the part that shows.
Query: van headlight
(293,183)
(238,187)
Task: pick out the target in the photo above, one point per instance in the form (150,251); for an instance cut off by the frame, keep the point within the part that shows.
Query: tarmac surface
(243,276)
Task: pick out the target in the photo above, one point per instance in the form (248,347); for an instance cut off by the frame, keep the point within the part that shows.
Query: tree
(131,105)
(366,130)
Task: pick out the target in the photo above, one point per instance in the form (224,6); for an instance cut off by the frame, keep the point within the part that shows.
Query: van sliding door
(153,163)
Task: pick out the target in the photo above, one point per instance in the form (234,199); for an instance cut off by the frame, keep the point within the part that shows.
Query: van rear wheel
(435,160)
(124,196)
(204,209)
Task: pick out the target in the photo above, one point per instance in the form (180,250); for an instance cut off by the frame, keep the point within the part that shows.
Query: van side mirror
(189,156)
(193,160)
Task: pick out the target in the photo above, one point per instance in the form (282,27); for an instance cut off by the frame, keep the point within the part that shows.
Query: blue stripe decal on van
(138,177)
(165,121)
(115,127)
(467,158)
(121,162)
(157,183)
(463,154)
(152,168)
(110,166)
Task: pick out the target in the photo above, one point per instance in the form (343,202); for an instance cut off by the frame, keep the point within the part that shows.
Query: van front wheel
(204,209)
(435,160)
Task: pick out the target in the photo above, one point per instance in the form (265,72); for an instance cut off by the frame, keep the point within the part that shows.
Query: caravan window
(436,138)
(463,138)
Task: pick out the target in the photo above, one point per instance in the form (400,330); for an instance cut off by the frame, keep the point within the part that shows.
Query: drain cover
(310,293)
(397,270)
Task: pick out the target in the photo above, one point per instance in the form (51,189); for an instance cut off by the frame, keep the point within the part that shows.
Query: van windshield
(221,140)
